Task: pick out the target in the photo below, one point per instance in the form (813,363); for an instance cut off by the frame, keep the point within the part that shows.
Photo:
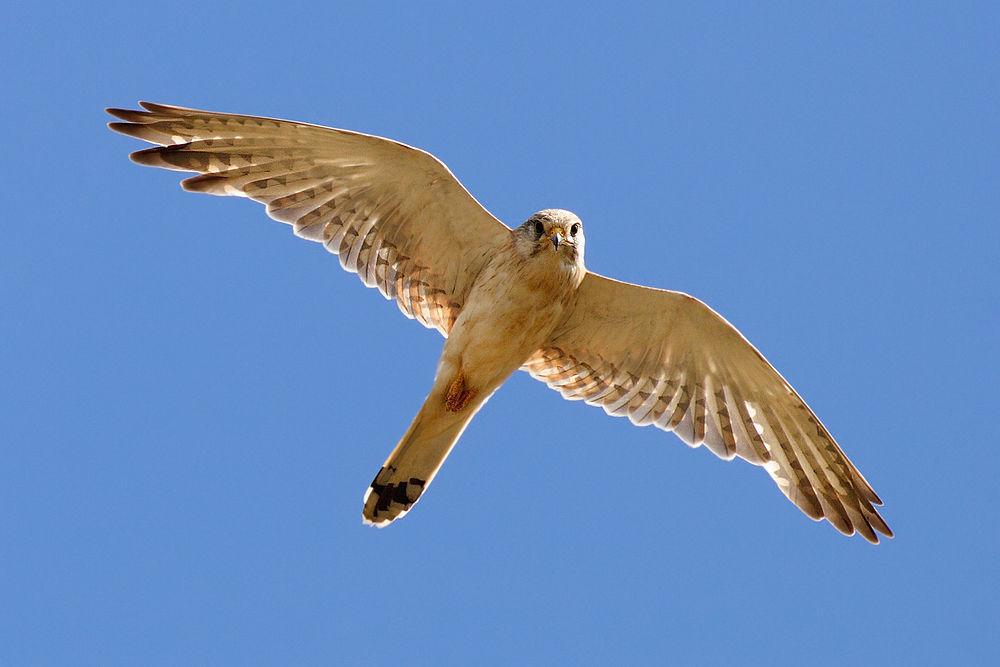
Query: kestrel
(508,299)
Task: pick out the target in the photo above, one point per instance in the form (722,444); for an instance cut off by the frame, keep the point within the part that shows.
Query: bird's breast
(510,312)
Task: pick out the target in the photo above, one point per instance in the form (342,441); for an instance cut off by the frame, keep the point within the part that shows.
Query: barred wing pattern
(393,214)
(665,358)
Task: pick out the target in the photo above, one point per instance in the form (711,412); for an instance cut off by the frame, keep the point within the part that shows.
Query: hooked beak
(556,240)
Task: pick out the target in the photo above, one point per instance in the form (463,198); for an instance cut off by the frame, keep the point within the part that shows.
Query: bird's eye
(539,228)
(574,229)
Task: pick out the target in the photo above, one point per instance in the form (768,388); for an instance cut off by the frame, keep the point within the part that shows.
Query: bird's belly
(498,329)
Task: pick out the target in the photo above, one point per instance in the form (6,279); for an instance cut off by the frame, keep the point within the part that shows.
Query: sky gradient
(195,400)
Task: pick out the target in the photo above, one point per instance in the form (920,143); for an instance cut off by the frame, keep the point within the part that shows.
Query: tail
(408,471)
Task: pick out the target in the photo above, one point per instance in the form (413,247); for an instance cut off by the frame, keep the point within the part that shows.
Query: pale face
(552,232)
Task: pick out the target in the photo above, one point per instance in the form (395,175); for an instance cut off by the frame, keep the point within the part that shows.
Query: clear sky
(194,400)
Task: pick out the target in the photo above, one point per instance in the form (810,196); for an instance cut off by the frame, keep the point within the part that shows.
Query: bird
(508,299)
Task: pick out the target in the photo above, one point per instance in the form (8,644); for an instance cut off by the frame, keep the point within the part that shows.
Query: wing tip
(123,114)
(134,130)
(157,107)
(879,528)
(868,524)
(147,111)
(149,157)
(204,183)
(880,525)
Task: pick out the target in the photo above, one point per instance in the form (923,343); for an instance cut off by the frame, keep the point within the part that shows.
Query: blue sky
(195,399)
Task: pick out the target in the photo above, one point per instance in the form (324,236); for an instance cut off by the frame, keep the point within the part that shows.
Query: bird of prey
(508,299)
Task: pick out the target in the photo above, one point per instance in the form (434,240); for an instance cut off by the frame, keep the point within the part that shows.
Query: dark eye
(574,229)
(539,228)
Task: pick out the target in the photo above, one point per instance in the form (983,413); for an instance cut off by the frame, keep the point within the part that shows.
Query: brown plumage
(508,299)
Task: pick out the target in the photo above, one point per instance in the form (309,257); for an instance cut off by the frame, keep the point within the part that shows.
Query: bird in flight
(508,299)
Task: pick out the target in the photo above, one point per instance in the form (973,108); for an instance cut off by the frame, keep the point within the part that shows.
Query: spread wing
(665,358)
(393,214)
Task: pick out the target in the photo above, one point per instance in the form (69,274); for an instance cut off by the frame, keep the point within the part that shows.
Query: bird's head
(552,233)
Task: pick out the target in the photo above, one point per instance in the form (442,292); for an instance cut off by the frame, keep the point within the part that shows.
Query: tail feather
(408,471)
